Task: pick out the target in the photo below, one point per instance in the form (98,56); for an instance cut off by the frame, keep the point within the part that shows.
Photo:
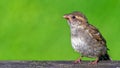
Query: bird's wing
(94,33)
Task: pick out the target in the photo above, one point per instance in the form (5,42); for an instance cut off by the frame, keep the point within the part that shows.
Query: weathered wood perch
(57,64)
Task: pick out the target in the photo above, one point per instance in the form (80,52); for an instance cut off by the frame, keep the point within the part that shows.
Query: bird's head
(75,18)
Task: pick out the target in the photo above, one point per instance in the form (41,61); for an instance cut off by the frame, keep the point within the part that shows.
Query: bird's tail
(104,57)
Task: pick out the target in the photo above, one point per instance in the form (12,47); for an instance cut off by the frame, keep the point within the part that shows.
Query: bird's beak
(66,17)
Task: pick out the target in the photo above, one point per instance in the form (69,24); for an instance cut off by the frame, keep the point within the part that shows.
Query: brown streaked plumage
(85,38)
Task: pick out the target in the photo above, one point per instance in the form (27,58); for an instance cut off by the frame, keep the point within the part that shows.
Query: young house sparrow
(86,39)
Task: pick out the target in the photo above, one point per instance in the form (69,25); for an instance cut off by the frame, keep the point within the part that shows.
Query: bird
(86,39)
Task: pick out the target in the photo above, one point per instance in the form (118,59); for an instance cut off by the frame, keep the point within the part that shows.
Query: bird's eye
(73,17)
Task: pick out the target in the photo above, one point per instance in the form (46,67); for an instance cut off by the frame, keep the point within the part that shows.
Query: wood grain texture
(57,64)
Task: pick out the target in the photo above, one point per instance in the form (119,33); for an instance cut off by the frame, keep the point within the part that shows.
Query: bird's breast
(80,40)
(78,44)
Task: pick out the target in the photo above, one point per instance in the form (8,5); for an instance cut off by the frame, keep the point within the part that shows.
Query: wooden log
(57,64)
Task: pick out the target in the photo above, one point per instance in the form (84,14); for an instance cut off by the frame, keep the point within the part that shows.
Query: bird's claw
(77,61)
(93,63)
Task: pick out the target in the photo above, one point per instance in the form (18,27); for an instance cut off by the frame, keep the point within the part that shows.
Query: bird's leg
(78,60)
(94,62)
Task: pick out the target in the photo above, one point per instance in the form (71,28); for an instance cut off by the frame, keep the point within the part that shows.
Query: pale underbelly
(87,47)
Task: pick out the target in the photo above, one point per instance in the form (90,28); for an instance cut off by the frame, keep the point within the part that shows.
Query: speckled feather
(85,38)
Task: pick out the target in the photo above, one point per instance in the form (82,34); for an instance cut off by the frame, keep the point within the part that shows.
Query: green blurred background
(35,29)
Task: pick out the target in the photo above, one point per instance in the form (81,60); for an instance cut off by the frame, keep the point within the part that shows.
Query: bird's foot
(94,62)
(77,61)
